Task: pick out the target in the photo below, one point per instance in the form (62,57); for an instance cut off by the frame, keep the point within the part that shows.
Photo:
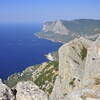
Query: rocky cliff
(79,71)
(56,27)
(76,78)
(5,92)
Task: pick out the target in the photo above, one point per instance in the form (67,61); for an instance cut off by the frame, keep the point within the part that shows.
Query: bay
(20,48)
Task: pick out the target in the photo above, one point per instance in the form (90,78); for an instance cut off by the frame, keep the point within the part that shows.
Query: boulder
(29,91)
(5,92)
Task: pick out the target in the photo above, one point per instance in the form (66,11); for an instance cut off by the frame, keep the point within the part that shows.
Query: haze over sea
(20,48)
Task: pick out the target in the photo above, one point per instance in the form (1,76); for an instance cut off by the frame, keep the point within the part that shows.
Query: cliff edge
(75,77)
(79,71)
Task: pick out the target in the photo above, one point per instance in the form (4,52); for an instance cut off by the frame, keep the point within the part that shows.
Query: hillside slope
(63,31)
(42,75)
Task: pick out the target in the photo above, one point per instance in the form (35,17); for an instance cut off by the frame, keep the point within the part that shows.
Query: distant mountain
(66,30)
(56,27)
(83,26)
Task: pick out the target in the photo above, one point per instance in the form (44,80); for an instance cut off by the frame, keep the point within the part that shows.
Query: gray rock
(79,67)
(92,66)
(0,80)
(84,94)
(56,27)
(5,92)
(71,67)
(29,91)
(57,91)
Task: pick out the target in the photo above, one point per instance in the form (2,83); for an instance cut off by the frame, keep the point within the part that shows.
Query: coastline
(36,34)
(16,75)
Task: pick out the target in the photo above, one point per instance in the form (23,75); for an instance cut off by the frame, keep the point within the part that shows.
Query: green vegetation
(83,26)
(65,94)
(44,79)
(50,89)
(13,80)
(83,53)
(47,77)
(72,82)
(97,81)
(26,75)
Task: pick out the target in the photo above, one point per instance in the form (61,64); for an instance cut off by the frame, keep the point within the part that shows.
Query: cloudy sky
(30,11)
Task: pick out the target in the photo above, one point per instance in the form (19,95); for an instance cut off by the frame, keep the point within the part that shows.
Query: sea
(20,48)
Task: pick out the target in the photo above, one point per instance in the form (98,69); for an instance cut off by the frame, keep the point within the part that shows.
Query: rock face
(29,91)
(25,90)
(56,27)
(5,92)
(92,67)
(79,68)
(84,94)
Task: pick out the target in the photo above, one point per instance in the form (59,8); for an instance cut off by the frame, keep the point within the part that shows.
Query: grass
(97,81)
(83,53)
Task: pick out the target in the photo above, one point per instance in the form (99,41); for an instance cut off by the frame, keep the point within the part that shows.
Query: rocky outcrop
(92,66)
(84,94)
(78,69)
(56,27)
(29,91)
(53,56)
(25,90)
(5,92)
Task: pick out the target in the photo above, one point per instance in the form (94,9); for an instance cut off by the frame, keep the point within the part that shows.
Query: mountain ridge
(88,28)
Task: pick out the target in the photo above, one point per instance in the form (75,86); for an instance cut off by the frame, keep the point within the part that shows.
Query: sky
(40,11)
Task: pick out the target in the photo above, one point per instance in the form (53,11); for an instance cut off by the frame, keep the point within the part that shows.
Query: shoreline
(36,34)
(46,56)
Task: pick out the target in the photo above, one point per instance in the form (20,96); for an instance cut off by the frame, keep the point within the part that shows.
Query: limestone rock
(5,92)
(79,67)
(72,58)
(29,91)
(57,91)
(84,94)
(0,80)
(56,27)
(92,66)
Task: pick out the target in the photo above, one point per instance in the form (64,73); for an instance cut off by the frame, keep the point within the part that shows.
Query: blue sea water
(20,48)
